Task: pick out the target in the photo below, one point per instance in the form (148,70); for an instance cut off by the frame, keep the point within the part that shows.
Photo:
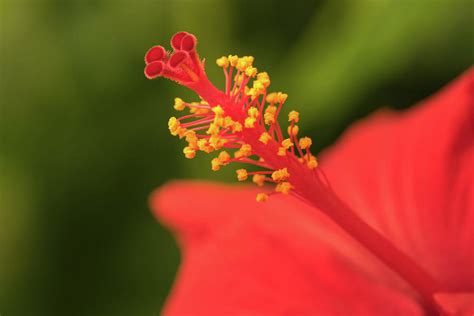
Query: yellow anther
(271,97)
(244,63)
(239,78)
(219,121)
(281,97)
(293,116)
(287,143)
(218,111)
(280,175)
(264,79)
(283,187)
(233,60)
(203,145)
(216,142)
(250,92)
(312,162)
(222,62)
(181,132)
(179,104)
(236,127)
(227,122)
(215,164)
(261,197)
(242,174)
(265,138)
(293,131)
(175,127)
(173,123)
(305,142)
(251,71)
(253,112)
(189,152)
(224,157)
(269,115)
(281,151)
(192,139)
(258,87)
(249,122)
(213,129)
(258,179)
(244,151)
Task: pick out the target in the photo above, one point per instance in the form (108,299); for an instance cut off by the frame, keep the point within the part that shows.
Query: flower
(386,229)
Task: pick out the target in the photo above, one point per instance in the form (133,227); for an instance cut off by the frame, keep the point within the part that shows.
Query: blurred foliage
(84,138)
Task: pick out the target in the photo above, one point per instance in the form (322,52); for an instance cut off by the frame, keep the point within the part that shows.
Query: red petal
(247,258)
(411,175)
(455,304)
(154,69)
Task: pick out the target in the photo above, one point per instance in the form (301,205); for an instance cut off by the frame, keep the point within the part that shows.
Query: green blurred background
(84,136)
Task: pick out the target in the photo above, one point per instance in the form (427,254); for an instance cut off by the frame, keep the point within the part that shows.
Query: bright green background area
(84,136)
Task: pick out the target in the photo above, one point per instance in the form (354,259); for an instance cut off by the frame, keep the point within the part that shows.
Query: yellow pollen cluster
(252,118)
(175,127)
(265,138)
(269,115)
(293,130)
(242,174)
(221,160)
(233,60)
(305,142)
(249,122)
(261,197)
(293,116)
(283,187)
(244,151)
(223,62)
(285,145)
(276,97)
(280,175)
(258,179)
(179,104)
(218,111)
(189,152)
(312,162)
(236,127)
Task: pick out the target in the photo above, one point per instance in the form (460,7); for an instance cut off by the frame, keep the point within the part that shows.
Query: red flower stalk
(244,118)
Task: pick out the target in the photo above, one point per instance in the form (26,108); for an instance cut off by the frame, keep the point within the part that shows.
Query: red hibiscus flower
(384,225)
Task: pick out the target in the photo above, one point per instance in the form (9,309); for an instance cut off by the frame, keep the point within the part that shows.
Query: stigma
(238,123)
